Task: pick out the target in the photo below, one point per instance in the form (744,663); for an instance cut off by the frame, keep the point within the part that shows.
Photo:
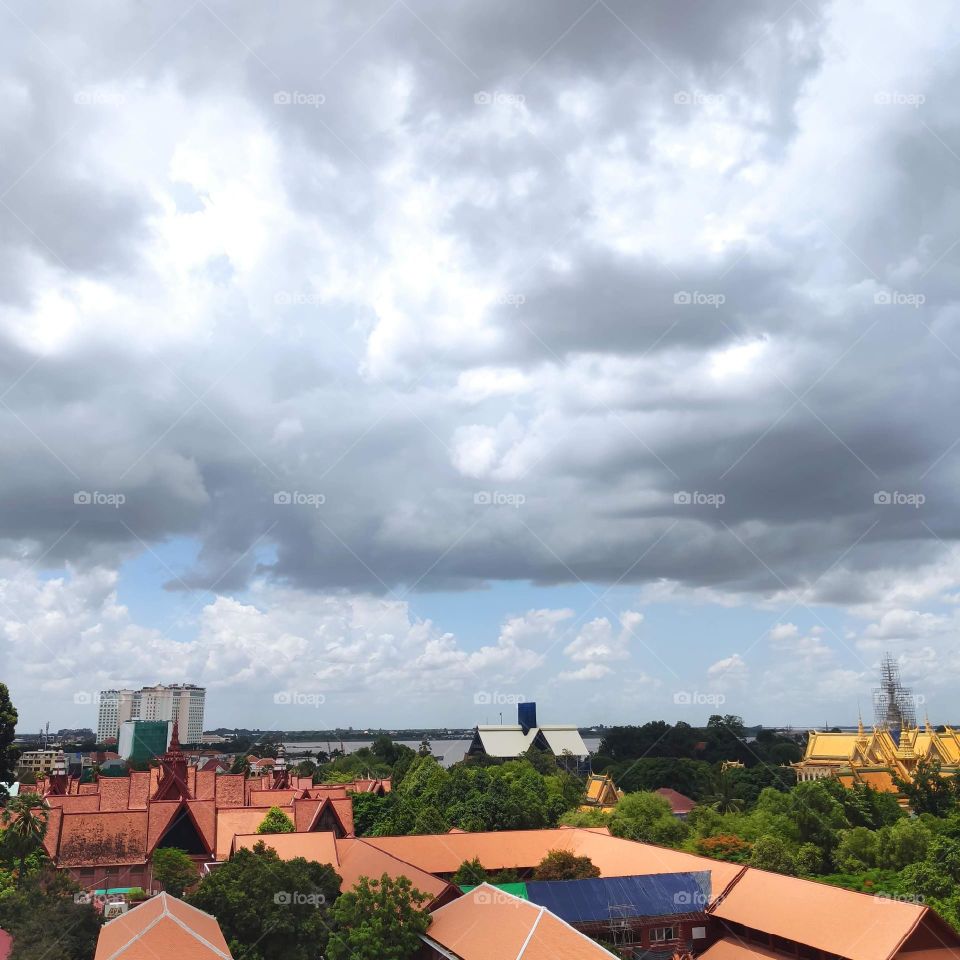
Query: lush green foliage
(268,908)
(721,739)
(8,723)
(276,821)
(45,921)
(431,799)
(24,820)
(383,758)
(173,870)
(647,817)
(564,865)
(379,920)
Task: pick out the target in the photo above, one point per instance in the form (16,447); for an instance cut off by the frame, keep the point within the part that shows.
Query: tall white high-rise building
(183,702)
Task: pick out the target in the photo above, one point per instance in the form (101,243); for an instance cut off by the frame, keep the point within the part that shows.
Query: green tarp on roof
(517,889)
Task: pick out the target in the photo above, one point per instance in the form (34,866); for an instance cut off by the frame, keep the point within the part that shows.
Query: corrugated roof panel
(654,895)
(505,741)
(565,739)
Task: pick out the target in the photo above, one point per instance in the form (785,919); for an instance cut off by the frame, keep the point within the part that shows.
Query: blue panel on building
(655,895)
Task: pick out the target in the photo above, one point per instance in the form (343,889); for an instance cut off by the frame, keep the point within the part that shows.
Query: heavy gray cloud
(593,256)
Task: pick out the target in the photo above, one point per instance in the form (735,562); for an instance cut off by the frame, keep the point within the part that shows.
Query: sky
(387,363)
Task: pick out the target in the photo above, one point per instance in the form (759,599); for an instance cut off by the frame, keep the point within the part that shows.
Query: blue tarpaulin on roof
(653,895)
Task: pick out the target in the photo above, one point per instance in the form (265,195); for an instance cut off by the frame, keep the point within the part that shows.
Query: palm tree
(24,820)
(724,798)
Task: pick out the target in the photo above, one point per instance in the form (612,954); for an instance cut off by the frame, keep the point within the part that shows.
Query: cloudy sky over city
(386,362)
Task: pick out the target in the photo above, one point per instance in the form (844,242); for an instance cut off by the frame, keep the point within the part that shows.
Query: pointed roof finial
(175,738)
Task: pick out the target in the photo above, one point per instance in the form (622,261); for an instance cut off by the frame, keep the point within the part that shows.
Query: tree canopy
(173,870)
(268,908)
(379,920)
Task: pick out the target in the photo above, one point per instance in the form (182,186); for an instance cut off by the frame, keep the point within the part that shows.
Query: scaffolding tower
(620,928)
(894,707)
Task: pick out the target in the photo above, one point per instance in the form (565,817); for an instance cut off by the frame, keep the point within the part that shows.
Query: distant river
(447,752)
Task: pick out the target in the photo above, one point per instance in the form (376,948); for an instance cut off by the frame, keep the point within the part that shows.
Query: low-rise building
(38,762)
(163,928)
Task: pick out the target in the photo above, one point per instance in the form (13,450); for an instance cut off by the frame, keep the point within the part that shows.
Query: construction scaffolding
(620,929)
(894,706)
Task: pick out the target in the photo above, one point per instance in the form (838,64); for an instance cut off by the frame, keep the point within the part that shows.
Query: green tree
(173,870)
(24,821)
(379,920)
(470,873)
(724,797)
(771,853)
(647,817)
(268,908)
(906,842)
(809,859)
(368,810)
(857,850)
(276,821)
(929,791)
(564,865)
(8,724)
(585,818)
(45,920)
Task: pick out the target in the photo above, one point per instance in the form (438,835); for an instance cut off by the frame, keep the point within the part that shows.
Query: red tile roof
(160,928)
(679,804)
(523,849)
(855,925)
(488,924)
(89,839)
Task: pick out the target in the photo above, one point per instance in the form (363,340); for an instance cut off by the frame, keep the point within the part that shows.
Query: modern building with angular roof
(507,741)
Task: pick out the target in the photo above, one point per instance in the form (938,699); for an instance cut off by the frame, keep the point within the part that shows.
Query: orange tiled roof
(522,849)
(678,802)
(230,789)
(488,924)
(271,798)
(239,820)
(117,837)
(854,925)
(730,948)
(162,927)
(352,858)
